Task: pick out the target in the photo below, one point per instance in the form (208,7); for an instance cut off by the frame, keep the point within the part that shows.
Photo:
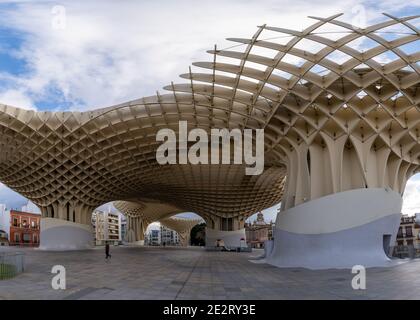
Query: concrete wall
(230,238)
(337,231)
(62,235)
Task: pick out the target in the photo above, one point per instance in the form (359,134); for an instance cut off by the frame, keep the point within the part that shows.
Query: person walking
(107,255)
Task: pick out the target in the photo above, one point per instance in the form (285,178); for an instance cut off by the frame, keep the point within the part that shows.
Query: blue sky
(80,55)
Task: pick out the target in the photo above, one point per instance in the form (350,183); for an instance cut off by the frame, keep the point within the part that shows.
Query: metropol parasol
(339,106)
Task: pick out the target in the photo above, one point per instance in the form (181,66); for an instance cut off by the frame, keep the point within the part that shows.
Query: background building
(123,228)
(24,228)
(408,237)
(4,219)
(259,231)
(107,227)
(4,240)
(153,237)
(168,237)
(162,236)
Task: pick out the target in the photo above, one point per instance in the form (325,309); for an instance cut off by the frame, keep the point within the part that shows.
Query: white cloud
(15,97)
(10,198)
(270,214)
(411,199)
(153,226)
(111,52)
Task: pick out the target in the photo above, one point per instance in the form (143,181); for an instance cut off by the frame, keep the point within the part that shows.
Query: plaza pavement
(193,273)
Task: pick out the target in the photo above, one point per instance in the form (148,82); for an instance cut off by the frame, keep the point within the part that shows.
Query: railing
(405,235)
(406,252)
(11,264)
(25,226)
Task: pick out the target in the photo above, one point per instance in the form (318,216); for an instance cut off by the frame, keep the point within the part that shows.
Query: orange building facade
(24,228)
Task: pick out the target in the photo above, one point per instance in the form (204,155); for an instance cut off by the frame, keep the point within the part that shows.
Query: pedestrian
(107,255)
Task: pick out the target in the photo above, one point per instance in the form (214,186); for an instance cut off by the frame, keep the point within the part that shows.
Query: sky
(81,55)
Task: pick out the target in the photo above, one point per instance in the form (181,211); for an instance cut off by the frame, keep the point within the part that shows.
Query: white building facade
(168,237)
(5,221)
(107,227)
(162,236)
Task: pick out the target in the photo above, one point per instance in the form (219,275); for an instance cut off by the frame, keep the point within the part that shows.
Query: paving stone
(193,273)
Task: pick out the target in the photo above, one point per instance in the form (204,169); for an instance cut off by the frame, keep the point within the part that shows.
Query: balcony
(405,235)
(407,220)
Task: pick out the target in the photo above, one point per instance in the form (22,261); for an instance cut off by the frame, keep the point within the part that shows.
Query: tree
(198,235)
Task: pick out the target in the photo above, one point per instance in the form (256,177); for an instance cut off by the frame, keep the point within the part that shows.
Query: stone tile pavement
(193,273)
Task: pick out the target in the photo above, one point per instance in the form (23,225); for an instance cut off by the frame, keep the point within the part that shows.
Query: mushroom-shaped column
(182,226)
(345,122)
(136,221)
(140,213)
(350,140)
(228,232)
(136,228)
(46,157)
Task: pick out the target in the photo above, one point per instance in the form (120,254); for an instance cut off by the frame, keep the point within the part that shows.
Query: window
(17,237)
(409,231)
(26,237)
(15,222)
(400,234)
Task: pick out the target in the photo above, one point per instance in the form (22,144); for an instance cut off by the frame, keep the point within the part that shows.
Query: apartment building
(107,227)
(24,228)
(408,237)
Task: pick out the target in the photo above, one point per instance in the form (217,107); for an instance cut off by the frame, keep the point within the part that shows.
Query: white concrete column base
(338,231)
(232,239)
(268,247)
(62,235)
